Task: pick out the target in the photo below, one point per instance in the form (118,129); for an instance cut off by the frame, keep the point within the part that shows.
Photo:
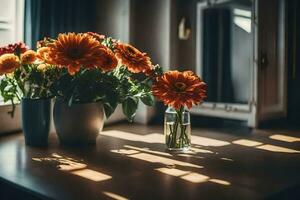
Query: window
(11,22)
(11,31)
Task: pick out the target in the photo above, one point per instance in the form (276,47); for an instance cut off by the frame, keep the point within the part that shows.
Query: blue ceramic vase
(36,121)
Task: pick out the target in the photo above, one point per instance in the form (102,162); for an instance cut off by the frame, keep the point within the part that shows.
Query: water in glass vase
(177,129)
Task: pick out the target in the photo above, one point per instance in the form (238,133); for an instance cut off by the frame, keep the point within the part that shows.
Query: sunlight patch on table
(198,150)
(158,159)
(278,149)
(62,162)
(159,138)
(195,177)
(204,141)
(150,138)
(227,159)
(285,138)
(125,151)
(219,181)
(114,196)
(91,175)
(247,143)
(192,177)
(148,150)
(172,171)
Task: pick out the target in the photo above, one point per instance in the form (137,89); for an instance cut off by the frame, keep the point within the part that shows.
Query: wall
(183,52)
(150,28)
(150,32)
(143,23)
(112,18)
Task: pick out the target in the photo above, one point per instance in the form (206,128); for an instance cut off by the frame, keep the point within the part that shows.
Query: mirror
(225,50)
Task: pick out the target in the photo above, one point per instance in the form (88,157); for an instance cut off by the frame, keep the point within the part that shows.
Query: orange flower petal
(179,89)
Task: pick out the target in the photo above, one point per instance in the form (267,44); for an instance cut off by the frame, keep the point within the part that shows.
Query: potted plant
(96,74)
(27,78)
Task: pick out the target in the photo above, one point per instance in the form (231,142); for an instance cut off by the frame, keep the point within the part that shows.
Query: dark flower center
(180,86)
(75,53)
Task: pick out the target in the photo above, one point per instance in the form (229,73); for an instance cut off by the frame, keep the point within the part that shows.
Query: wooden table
(130,162)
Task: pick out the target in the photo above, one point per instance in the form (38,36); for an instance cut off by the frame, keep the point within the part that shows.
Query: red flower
(75,50)
(133,59)
(179,89)
(16,48)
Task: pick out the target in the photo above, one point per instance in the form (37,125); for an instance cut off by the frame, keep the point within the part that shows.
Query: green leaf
(70,102)
(129,107)
(109,109)
(148,100)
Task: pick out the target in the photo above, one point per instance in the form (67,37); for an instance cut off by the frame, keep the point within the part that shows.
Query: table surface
(130,162)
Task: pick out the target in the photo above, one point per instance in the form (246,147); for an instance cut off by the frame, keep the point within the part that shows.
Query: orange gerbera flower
(43,55)
(97,36)
(75,50)
(8,63)
(133,59)
(178,89)
(28,57)
(109,61)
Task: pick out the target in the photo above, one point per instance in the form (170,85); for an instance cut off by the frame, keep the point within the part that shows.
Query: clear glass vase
(177,129)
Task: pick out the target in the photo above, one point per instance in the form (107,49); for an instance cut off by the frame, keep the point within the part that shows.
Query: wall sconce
(184,30)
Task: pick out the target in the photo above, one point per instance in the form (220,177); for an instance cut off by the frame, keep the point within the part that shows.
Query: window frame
(16,25)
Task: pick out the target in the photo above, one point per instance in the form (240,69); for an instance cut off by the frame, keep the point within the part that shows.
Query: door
(293,17)
(271,77)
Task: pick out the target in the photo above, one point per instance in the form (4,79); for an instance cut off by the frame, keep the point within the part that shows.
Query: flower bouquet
(27,78)
(89,75)
(178,90)
(95,73)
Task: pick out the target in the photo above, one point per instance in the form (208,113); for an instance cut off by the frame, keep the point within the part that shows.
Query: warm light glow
(91,175)
(159,138)
(172,171)
(147,150)
(74,167)
(62,163)
(222,182)
(195,178)
(227,159)
(70,165)
(125,151)
(248,143)
(158,159)
(204,141)
(285,138)
(56,155)
(150,138)
(189,156)
(279,149)
(198,150)
(191,176)
(114,196)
